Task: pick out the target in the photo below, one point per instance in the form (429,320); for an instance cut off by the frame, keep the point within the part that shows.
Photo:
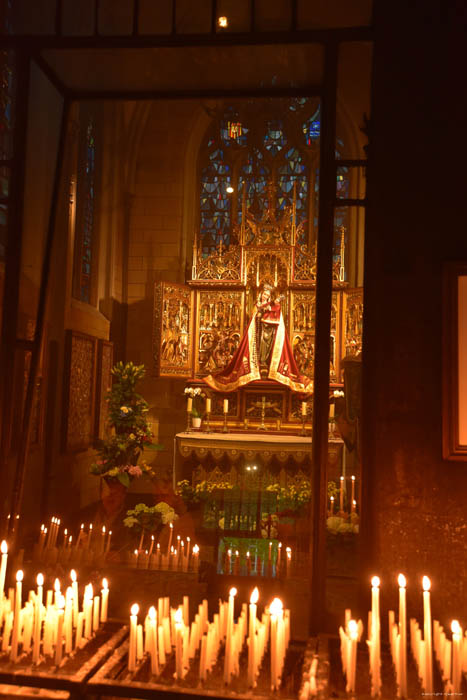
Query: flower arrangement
(291,498)
(119,454)
(145,518)
(203,491)
(196,395)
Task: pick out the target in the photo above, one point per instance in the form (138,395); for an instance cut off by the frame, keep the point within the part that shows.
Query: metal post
(322,342)
(18,485)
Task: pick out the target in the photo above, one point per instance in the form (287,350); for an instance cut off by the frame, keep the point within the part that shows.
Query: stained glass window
(86,215)
(250,144)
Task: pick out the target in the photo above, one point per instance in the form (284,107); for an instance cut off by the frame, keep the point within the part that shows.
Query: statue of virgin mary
(264,352)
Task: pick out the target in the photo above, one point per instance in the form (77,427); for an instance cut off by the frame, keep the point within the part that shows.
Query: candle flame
(90,526)
(61,602)
(229,552)
(57,585)
(332,498)
(426,583)
(236,553)
(4,547)
(402,581)
(342,478)
(233,592)
(40,579)
(152,537)
(375,581)
(248,554)
(152,613)
(353,627)
(352,477)
(136,552)
(254,596)
(73,575)
(105,584)
(19,576)
(455,627)
(195,549)
(188,539)
(178,617)
(103,529)
(171,525)
(82,526)
(135,609)
(280,545)
(276,606)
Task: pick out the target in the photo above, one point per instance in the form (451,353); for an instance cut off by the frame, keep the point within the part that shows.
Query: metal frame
(29,48)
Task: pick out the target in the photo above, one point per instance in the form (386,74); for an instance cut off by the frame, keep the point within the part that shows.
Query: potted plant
(129,430)
(149,519)
(196,395)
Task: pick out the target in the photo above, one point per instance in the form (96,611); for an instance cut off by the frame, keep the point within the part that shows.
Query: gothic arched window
(250,144)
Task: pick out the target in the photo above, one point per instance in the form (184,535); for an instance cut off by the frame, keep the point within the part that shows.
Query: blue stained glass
(311,128)
(275,139)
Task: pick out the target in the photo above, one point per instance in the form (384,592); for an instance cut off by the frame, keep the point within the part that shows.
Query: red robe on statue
(266,333)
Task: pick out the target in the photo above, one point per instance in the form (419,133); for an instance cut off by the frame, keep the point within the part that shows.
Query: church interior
(233,306)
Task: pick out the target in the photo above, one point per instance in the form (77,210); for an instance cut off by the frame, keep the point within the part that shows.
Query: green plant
(119,454)
(150,518)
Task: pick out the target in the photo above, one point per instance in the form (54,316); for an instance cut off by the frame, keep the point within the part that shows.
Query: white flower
(124,409)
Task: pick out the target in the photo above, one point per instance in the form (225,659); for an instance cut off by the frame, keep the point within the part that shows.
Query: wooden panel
(173,330)
(219,328)
(79,390)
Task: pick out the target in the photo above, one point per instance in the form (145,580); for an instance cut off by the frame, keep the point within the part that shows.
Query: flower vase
(196,422)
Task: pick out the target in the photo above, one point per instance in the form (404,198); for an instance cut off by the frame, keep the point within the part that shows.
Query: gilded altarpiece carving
(220,328)
(352,321)
(173,330)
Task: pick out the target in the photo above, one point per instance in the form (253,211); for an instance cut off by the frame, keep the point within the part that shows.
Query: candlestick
(427,635)
(132,643)
(225,428)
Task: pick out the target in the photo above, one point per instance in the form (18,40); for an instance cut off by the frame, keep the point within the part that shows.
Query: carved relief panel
(219,328)
(352,322)
(173,330)
(302,330)
(80,374)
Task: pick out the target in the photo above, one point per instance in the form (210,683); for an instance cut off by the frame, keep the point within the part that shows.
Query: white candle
(74,587)
(59,640)
(331,410)
(352,658)
(57,592)
(332,504)
(132,643)
(88,543)
(456,677)
(427,634)
(79,630)
(68,621)
(80,534)
(229,646)
(186,610)
(226,405)
(104,599)
(189,404)
(288,552)
(403,637)
(375,660)
(196,557)
(208,405)
(4,550)
(102,545)
(252,663)
(161,644)
(171,532)
(87,610)
(152,627)
(352,497)
(16,630)
(303,408)
(178,643)
(341,495)
(95,613)
(37,619)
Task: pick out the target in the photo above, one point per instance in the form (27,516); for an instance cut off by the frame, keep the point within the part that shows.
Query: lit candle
(279,552)
(102,545)
(65,533)
(152,546)
(352,497)
(108,542)
(74,587)
(68,620)
(332,504)
(105,600)
(87,610)
(248,564)
(16,629)
(226,405)
(341,495)
(251,639)
(288,552)
(152,626)
(229,646)
(208,405)
(80,534)
(352,658)
(402,655)
(132,643)
(57,592)
(4,550)
(171,532)
(196,557)
(37,619)
(375,661)
(59,639)
(178,643)
(88,543)
(276,644)
(456,677)
(427,634)
(186,610)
